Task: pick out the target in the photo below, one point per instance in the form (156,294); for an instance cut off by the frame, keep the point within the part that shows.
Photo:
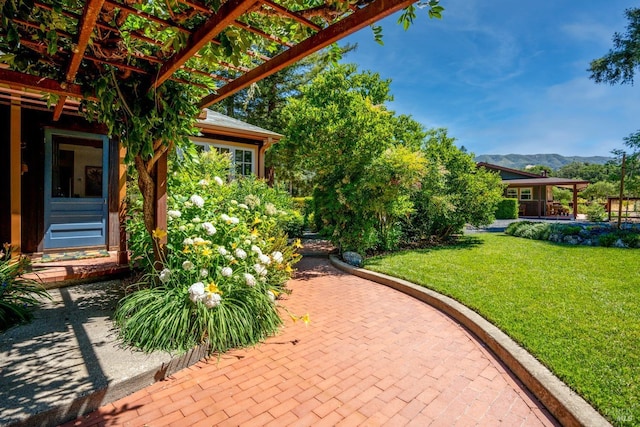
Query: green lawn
(575,308)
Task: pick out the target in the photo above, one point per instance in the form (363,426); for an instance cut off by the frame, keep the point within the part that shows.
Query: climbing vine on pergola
(145,68)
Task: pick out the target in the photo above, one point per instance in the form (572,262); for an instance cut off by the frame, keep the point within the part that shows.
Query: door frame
(48,166)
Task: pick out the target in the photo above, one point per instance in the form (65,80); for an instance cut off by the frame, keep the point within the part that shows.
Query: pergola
(52,53)
(221,47)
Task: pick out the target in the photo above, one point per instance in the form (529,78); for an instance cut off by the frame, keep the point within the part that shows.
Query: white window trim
(512,196)
(232,148)
(525,188)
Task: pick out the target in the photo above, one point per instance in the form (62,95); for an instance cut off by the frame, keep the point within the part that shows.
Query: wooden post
(15,177)
(123,254)
(624,159)
(161,197)
(575,202)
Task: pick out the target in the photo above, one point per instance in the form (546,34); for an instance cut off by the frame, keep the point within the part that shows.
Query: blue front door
(75,189)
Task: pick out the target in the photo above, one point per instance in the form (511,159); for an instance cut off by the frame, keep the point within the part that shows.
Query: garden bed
(598,234)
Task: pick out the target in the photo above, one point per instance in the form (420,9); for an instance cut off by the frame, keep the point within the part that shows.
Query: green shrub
(570,230)
(507,209)
(18,296)
(607,239)
(292,223)
(227,260)
(596,213)
(306,207)
(529,230)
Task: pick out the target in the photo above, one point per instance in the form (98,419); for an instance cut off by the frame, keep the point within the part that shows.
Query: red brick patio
(370,356)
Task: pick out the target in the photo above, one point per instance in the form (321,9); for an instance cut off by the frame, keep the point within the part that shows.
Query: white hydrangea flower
(252,200)
(270,209)
(227,271)
(212,300)
(196,291)
(256,249)
(198,241)
(182,228)
(218,180)
(249,279)
(234,220)
(233,202)
(165,274)
(243,206)
(226,218)
(229,258)
(209,228)
(204,272)
(188,241)
(264,259)
(203,182)
(187,266)
(197,200)
(277,257)
(222,251)
(174,214)
(188,204)
(247,241)
(240,253)
(260,269)
(196,220)
(272,296)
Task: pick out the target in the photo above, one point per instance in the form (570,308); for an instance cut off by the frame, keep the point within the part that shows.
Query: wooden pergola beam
(19,80)
(86,24)
(352,23)
(226,15)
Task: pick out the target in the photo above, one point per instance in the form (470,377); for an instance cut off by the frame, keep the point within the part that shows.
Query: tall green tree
(363,157)
(619,66)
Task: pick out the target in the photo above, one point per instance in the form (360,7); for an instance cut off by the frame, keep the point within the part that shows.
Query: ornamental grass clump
(226,263)
(18,296)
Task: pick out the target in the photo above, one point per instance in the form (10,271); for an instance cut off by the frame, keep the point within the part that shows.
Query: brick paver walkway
(370,356)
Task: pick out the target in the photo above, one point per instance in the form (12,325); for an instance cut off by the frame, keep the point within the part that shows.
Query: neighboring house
(64,181)
(535,192)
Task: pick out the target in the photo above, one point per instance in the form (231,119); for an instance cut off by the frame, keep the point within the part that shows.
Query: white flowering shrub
(227,262)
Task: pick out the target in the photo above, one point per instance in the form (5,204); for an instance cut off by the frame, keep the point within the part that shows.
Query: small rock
(353,258)
(572,240)
(619,244)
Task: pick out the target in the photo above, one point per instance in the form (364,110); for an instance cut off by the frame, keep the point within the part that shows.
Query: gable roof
(218,123)
(499,168)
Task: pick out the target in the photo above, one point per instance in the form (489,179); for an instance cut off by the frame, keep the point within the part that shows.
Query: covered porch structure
(535,192)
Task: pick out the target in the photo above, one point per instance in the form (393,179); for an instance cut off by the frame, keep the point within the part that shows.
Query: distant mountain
(521,161)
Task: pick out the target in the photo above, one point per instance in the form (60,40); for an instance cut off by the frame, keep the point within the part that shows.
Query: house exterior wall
(5,196)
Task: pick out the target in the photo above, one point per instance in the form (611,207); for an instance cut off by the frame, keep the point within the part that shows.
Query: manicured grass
(575,308)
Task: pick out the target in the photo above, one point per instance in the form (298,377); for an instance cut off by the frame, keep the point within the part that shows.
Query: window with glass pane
(76,167)
(512,193)
(526,194)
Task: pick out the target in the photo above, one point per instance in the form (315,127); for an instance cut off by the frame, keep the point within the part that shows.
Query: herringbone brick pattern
(370,356)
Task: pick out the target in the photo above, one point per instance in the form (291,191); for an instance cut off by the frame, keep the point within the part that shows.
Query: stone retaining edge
(569,408)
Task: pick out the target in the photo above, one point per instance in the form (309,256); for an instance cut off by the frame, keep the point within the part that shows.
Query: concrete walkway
(370,356)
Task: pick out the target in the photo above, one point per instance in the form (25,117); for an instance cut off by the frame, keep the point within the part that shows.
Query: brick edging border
(565,405)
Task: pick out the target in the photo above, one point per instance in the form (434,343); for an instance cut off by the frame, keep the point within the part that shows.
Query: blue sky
(507,76)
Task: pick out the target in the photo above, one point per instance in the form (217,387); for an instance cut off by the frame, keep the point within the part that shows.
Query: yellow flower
(234,245)
(297,244)
(288,269)
(186,250)
(159,233)
(306,319)
(255,232)
(206,252)
(213,288)
(257,221)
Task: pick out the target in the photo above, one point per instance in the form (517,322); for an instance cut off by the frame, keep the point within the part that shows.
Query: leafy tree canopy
(622,62)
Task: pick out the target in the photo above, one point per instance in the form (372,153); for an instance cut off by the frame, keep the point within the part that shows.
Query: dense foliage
(453,192)
(507,209)
(588,235)
(380,179)
(18,295)
(227,261)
